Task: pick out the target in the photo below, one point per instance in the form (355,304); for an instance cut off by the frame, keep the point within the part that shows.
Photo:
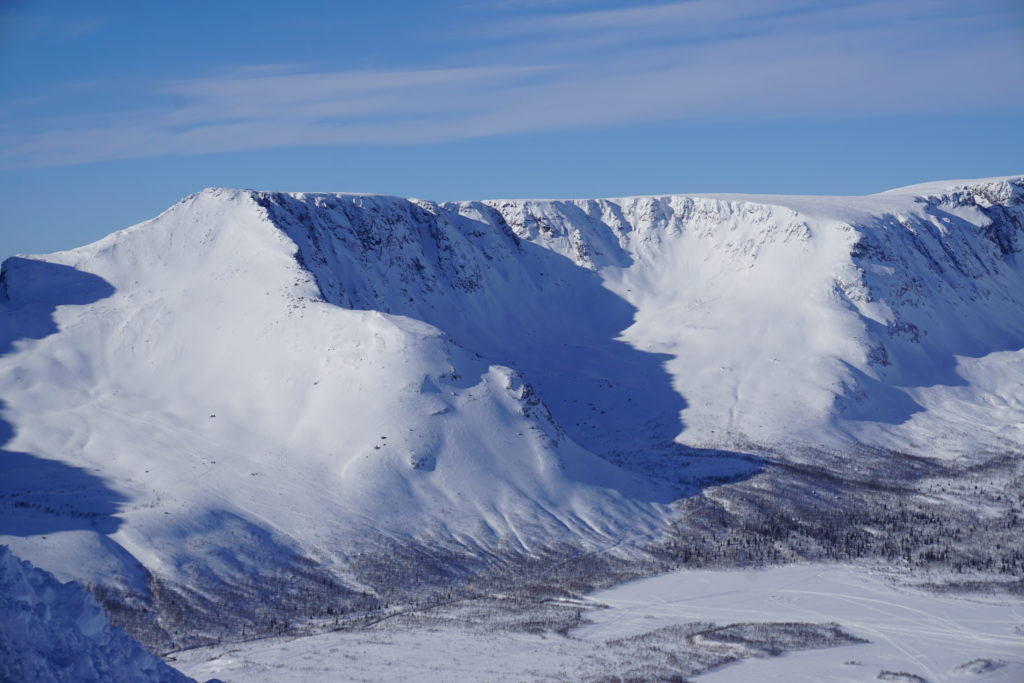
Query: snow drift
(53,632)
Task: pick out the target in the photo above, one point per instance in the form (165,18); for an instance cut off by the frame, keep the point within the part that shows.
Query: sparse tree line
(803,512)
(886,510)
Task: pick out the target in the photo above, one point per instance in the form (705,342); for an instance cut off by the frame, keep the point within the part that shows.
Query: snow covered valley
(267,415)
(795,623)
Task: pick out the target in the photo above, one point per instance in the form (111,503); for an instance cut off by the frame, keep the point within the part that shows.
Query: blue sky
(111,111)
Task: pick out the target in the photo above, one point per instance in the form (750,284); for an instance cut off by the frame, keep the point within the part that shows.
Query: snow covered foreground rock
(295,403)
(54,632)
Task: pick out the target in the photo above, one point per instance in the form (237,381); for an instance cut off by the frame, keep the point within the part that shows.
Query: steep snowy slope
(341,392)
(52,632)
(892,320)
(781,320)
(229,423)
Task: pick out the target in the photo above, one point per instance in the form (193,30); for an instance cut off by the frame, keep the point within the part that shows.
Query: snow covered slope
(185,406)
(293,385)
(780,319)
(892,320)
(53,632)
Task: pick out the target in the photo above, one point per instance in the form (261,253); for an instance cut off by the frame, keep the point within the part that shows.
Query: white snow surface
(908,630)
(314,371)
(54,633)
(939,638)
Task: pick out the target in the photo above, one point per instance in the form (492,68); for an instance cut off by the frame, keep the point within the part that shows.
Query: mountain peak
(318,381)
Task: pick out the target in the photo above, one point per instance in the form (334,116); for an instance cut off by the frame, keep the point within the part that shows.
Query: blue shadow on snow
(38,495)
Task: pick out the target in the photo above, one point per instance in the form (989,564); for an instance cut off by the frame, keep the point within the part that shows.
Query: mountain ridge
(344,387)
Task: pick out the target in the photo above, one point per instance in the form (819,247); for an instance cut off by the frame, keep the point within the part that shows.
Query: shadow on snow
(930,275)
(39,495)
(518,304)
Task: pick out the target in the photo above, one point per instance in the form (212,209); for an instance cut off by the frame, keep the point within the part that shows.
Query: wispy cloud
(701,60)
(741,16)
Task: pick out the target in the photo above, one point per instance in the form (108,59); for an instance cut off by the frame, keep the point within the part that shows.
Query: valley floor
(796,623)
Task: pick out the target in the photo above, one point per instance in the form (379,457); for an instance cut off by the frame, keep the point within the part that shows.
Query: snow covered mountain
(343,387)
